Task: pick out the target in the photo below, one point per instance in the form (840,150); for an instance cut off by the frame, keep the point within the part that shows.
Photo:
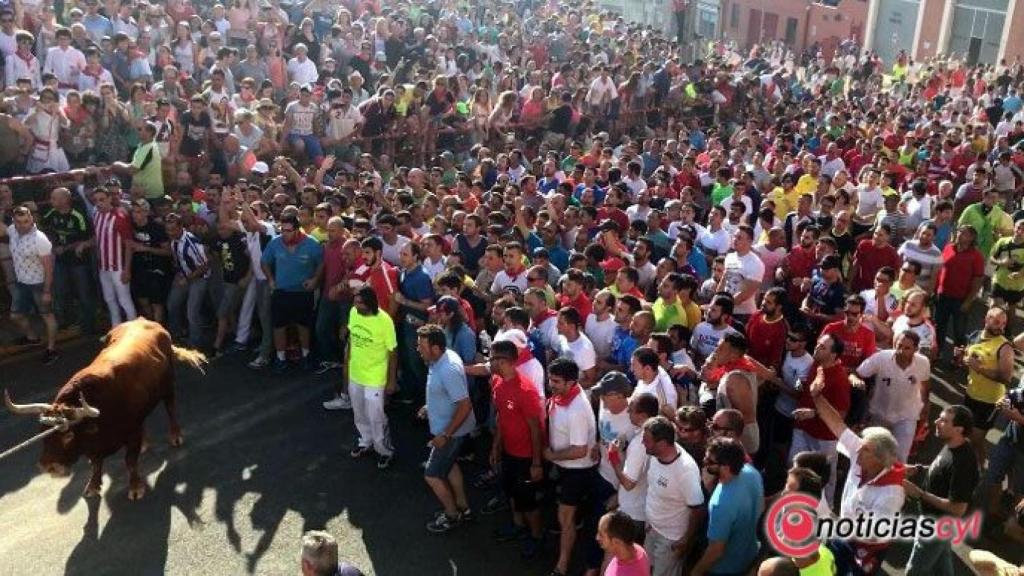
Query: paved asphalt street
(262,462)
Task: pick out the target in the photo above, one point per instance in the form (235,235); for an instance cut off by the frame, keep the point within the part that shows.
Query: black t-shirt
(150,235)
(193,133)
(561,120)
(64,230)
(952,475)
(234,257)
(438,105)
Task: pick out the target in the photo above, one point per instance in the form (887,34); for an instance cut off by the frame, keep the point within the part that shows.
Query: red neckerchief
(96,75)
(563,400)
(892,477)
(525,355)
(549,313)
(26,59)
(298,237)
(514,277)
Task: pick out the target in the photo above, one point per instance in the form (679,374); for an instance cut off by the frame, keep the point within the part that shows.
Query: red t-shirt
(384,280)
(859,344)
(516,400)
(837,392)
(581,303)
(958,270)
(799,263)
(767,340)
(871,258)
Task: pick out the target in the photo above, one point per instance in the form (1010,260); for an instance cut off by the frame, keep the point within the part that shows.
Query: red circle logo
(791,525)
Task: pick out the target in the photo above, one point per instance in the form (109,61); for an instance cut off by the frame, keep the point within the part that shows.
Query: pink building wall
(767,20)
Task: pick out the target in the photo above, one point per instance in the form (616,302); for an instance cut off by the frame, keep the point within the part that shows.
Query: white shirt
(672,489)
(600,333)
(793,368)
(65,65)
(926,330)
(302,117)
(390,251)
(581,351)
(612,427)
(739,269)
(28,251)
(502,280)
(830,167)
(634,466)
(573,425)
(661,388)
(343,122)
(882,500)
(871,302)
(705,338)
(869,203)
(434,269)
(303,72)
(717,242)
(546,333)
(602,91)
(745,200)
(897,395)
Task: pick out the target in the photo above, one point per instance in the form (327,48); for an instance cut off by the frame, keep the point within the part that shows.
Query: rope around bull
(56,427)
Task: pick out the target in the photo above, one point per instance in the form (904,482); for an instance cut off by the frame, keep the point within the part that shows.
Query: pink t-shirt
(639,566)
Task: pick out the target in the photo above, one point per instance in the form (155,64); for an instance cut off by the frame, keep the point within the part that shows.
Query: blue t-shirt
(699,263)
(559,257)
(623,345)
(415,284)
(446,386)
(292,268)
(733,513)
(463,342)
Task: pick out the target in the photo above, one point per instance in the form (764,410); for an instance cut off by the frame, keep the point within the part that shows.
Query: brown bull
(105,405)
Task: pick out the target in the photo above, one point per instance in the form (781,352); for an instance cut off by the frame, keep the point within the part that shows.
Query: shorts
(982,412)
(1011,297)
(287,308)
(1005,460)
(151,285)
(441,460)
(28,299)
(515,481)
(229,300)
(575,485)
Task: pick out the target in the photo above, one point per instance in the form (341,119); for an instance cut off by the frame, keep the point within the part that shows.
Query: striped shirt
(113,231)
(188,254)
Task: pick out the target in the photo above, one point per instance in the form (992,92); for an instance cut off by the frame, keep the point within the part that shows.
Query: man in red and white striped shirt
(113,250)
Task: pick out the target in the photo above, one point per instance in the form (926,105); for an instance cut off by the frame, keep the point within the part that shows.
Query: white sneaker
(259,363)
(340,402)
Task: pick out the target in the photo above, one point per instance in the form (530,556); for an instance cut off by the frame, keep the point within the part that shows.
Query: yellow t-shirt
(807,184)
(825,566)
(785,202)
(980,387)
(372,339)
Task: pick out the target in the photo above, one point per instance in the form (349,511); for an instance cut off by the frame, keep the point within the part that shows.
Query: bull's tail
(193,358)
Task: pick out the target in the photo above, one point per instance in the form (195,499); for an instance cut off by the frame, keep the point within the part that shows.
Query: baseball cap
(260,168)
(515,336)
(613,382)
(446,303)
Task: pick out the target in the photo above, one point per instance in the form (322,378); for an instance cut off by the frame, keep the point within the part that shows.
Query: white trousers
(903,430)
(370,419)
(803,442)
(118,296)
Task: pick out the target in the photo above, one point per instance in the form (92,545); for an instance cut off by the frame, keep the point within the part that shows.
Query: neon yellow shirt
(372,339)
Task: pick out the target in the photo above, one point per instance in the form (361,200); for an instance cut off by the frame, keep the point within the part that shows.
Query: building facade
(978,31)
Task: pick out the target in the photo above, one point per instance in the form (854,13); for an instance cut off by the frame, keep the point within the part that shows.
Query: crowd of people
(666,290)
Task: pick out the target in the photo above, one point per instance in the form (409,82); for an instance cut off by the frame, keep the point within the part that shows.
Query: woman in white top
(184,49)
(45,121)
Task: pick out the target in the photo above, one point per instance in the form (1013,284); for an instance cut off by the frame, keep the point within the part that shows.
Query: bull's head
(60,450)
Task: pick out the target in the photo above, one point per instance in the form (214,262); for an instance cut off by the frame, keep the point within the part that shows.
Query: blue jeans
(930,558)
(948,315)
(190,296)
(78,277)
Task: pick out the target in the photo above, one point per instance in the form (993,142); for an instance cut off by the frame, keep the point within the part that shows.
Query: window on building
(734,16)
(791,24)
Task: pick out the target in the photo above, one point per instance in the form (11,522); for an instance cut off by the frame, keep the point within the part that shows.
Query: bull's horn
(24,409)
(85,411)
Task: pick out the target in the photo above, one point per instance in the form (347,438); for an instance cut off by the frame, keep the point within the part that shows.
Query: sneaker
(441,524)
(466,515)
(327,366)
(280,366)
(530,548)
(494,505)
(509,533)
(259,363)
(360,451)
(237,348)
(50,356)
(340,402)
(384,462)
